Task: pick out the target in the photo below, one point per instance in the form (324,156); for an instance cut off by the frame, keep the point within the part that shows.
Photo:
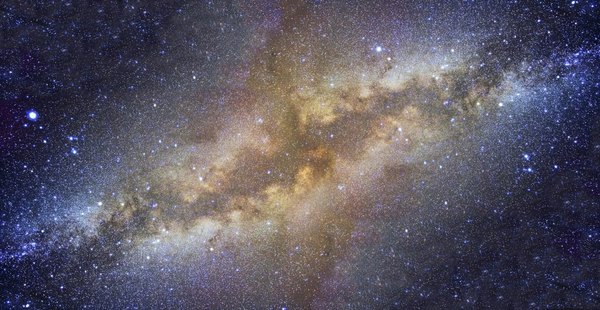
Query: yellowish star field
(328,155)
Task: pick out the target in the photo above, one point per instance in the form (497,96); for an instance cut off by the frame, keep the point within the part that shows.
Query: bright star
(32,115)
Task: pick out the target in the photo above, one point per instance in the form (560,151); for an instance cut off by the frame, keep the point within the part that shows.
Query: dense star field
(300,154)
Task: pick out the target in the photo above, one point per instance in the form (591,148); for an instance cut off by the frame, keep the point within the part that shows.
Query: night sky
(299,154)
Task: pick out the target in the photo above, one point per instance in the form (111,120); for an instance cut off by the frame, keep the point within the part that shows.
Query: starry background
(299,154)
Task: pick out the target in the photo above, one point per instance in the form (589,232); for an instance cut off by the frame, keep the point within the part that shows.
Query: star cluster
(300,154)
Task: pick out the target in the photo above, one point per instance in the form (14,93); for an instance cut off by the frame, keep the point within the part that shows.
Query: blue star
(32,115)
